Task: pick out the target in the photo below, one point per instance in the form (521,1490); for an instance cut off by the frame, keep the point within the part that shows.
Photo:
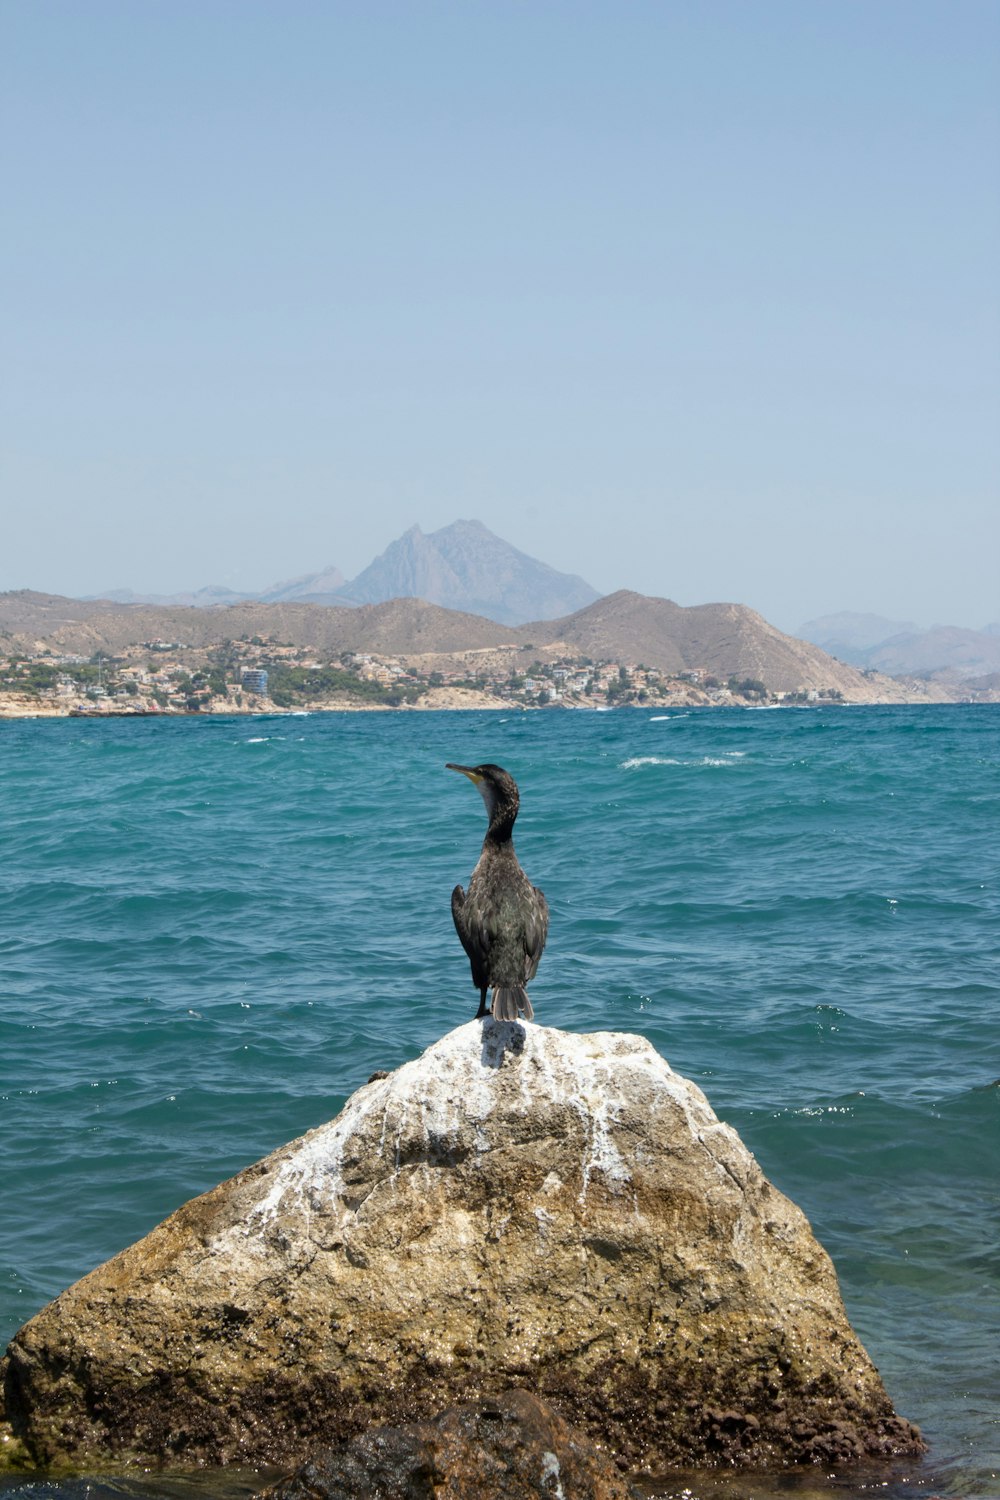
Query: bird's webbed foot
(484,1009)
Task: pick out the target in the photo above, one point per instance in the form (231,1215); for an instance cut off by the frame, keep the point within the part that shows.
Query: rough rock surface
(513,1447)
(517,1207)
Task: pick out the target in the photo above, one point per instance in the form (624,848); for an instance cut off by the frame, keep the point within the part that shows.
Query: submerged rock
(517,1207)
(512,1447)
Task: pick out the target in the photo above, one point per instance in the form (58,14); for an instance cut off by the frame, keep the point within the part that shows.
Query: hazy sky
(693,297)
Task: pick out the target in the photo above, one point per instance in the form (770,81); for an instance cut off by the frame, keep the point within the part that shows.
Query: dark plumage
(502,920)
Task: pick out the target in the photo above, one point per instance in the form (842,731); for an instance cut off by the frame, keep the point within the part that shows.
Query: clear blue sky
(701,299)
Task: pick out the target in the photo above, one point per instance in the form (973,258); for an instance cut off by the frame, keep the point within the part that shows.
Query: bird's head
(498,790)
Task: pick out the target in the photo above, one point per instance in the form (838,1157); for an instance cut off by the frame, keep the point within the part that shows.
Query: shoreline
(18,711)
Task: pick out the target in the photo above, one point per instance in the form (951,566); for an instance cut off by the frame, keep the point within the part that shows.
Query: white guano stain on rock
(422,1113)
(552,1476)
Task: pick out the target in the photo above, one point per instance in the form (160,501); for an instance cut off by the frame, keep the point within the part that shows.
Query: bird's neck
(501,829)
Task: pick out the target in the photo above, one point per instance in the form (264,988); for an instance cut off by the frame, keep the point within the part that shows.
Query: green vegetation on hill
(31,676)
(288,686)
(748,687)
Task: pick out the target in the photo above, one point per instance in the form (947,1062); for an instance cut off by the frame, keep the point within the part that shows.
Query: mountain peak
(462,566)
(466,525)
(465,566)
(306,586)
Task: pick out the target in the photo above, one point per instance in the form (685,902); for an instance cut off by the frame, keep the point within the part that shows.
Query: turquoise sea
(213,930)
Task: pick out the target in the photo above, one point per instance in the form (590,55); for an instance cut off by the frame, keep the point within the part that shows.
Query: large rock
(513,1447)
(517,1207)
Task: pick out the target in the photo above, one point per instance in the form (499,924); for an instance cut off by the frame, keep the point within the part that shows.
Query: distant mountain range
(464,588)
(463,566)
(716,640)
(900,648)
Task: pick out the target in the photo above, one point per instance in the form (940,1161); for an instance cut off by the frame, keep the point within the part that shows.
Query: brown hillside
(33,621)
(726,640)
(723,639)
(27,612)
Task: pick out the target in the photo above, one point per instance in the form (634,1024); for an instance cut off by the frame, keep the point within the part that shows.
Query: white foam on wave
(728,758)
(635,761)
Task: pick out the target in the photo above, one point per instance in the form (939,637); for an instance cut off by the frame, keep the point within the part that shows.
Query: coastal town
(261,675)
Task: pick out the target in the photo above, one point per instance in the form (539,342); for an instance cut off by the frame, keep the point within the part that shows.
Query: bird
(502,920)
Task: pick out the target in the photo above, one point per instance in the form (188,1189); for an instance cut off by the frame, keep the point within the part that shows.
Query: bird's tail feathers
(508,1000)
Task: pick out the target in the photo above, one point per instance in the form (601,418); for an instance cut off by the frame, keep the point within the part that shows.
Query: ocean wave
(742,923)
(635,761)
(727,758)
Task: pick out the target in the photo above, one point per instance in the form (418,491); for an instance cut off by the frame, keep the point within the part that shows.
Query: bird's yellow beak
(473,776)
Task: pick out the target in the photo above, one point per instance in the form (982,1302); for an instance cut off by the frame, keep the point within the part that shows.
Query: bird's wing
(472,935)
(536,930)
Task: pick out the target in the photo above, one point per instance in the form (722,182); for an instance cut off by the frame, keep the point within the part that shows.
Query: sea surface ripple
(213,930)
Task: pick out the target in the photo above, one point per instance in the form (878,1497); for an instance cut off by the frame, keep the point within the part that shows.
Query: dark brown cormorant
(502,919)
